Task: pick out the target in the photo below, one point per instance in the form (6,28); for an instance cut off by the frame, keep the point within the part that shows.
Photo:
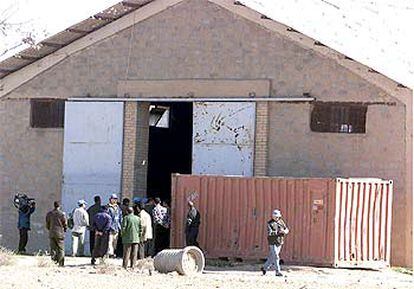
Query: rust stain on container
(342,222)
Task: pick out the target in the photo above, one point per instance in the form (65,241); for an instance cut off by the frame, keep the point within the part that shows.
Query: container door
(318,221)
(223,138)
(92,153)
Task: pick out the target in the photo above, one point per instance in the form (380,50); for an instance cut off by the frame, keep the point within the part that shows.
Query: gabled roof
(23,66)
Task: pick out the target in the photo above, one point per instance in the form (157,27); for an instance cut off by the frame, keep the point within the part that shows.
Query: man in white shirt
(80,223)
(161,226)
(146,222)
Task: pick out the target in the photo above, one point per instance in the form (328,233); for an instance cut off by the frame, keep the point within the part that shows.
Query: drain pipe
(187,261)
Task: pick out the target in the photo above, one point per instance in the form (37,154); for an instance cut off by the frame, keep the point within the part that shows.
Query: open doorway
(170,145)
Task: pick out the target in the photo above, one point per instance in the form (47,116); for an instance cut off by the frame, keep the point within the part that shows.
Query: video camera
(22,202)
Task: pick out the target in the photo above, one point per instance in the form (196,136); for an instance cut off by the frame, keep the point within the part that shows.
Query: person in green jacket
(131,236)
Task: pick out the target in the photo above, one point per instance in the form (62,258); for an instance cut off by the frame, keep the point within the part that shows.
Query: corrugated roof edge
(93,23)
(383,82)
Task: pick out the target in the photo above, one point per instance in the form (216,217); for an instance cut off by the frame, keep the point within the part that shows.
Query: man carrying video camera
(26,207)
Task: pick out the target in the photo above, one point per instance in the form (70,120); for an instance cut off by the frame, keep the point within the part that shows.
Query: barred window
(47,113)
(338,117)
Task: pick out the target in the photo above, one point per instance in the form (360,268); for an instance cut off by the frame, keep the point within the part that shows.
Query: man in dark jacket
(192,225)
(149,205)
(119,251)
(101,226)
(92,211)
(57,225)
(276,232)
(23,225)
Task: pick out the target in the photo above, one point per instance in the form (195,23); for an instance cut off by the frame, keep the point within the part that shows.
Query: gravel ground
(38,272)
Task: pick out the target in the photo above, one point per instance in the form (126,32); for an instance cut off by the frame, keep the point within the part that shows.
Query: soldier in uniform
(276,232)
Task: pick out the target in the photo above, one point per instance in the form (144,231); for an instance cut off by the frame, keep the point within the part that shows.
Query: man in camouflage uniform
(276,232)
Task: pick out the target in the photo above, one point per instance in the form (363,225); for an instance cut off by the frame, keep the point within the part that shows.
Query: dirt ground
(38,272)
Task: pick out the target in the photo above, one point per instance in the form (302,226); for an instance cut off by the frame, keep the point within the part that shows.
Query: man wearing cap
(149,206)
(116,215)
(276,232)
(80,222)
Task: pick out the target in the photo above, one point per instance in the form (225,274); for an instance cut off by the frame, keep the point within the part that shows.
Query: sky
(373,32)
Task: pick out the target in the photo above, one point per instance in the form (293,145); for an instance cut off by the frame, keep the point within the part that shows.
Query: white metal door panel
(92,153)
(223,138)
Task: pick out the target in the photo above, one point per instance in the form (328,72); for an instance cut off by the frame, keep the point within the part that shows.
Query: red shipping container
(341,222)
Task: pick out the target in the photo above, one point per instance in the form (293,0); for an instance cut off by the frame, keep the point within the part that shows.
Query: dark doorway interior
(170,144)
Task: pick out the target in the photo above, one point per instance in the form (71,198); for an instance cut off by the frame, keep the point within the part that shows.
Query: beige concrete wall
(295,150)
(31,162)
(197,39)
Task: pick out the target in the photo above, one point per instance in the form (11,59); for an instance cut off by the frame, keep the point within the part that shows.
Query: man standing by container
(276,232)
(116,215)
(57,225)
(80,222)
(192,225)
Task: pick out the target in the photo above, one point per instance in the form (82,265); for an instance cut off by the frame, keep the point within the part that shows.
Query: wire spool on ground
(187,261)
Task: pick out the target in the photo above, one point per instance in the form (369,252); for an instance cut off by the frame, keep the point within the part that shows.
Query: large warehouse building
(118,102)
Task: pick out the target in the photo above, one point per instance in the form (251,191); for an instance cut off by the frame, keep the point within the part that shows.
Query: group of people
(139,230)
(133,231)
